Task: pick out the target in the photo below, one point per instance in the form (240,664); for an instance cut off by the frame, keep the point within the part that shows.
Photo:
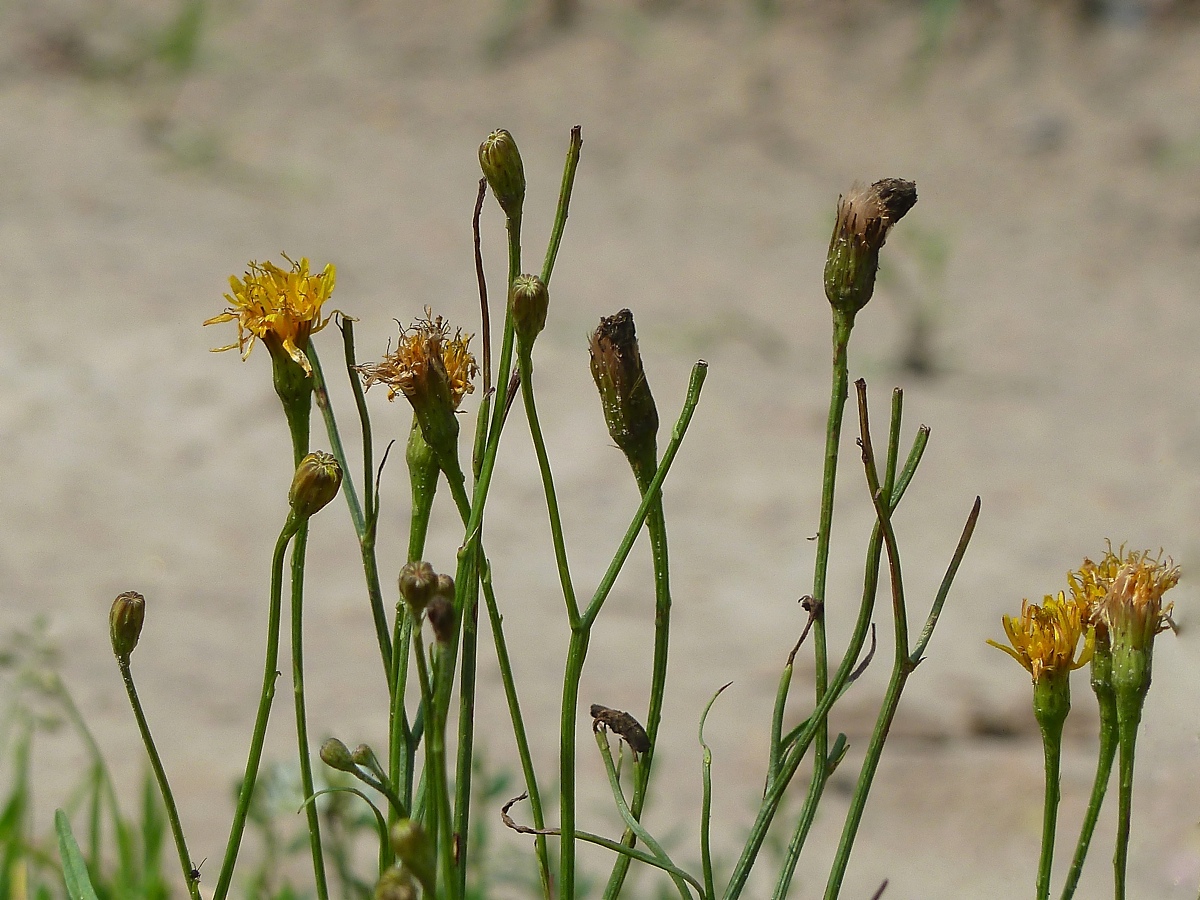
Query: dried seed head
(125,620)
(530,302)
(317,480)
(629,408)
(865,215)
(418,583)
(623,724)
(505,173)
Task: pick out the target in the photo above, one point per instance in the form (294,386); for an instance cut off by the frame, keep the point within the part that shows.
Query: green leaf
(75,873)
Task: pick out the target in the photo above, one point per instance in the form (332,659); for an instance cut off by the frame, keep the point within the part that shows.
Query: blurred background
(1038,306)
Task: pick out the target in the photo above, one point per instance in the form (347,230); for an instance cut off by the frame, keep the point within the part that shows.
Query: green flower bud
(530,301)
(864,218)
(125,623)
(625,394)
(418,581)
(363,755)
(335,755)
(317,480)
(395,884)
(505,173)
(415,850)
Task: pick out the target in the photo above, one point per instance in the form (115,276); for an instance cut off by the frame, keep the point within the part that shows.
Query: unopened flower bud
(335,755)
(413,847)
(318,479)
(395,884)
(629,408)
(418,582)
(363,755)
(505,173)
(864,218)
(440,613)
(530,301)
(125,623)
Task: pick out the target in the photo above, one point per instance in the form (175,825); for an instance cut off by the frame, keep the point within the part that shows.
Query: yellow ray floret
(1045,638)
(280,306)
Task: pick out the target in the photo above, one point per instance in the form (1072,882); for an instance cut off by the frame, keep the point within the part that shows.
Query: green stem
(710,890)
(160,774)
(466,736)
(543,459)
(656,525)
(1130,718)
(796,743)
(267,694)
(631,821)
(364,524)
(1051,705)
(305,759)
(423,480)
(842,326)
(580,635)
(564,202)
(437,811)
(1104,762)
(1049,814)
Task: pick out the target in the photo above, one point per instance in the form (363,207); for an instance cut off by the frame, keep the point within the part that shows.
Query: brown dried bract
(623,724)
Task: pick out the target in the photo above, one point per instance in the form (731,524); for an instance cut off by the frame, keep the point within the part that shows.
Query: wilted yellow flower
(1133,606)
(1045,638)
(412,367)
(1125,589)
(280,306)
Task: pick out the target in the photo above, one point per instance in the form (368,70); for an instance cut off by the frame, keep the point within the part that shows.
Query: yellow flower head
(1045,638)
(280,306)
(413,367)
(1133,605)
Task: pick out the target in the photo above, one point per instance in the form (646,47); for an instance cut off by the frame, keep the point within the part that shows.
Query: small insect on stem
(194,875)
(622,724)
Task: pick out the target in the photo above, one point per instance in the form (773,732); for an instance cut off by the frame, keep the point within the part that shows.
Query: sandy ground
(1057,171)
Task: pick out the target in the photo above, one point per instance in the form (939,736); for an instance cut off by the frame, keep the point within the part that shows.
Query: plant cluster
(418,789)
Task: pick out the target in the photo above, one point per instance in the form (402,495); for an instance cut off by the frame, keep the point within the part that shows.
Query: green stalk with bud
(125,621)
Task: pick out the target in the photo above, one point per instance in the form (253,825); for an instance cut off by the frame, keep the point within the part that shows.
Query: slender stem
(518,724)
(423,480)
(1130,718)
(364,524)
(1104,762)
(573,672)
(1053,750)
(564,202)
(160,774)
(710,890)
(695,385)
(438,809)
(305,759)
(842,326)
(580,635)
(631,821)
(656,525)
(797,742)
(543,459)
(267,694)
